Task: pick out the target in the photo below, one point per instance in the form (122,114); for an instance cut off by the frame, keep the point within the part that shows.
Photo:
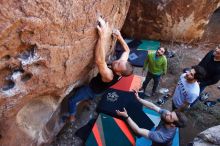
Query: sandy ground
(186,56)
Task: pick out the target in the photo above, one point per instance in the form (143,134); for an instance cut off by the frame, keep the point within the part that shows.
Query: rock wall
(46,49)
(170,20)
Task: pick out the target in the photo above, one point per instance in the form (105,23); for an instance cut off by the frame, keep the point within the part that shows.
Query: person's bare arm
(146,103)
(126,52)
(106,73)
(133,125)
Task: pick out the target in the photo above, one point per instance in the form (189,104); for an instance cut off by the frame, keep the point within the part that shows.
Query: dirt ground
(200,116)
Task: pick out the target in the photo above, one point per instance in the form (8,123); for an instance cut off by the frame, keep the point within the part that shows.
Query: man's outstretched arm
(126,52)
(106,73)
(133,125)
(146,103)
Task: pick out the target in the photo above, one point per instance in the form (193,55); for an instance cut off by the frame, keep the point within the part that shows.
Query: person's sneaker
(204,96)
(164,91)
(160,102)
(166,97)
(210,103)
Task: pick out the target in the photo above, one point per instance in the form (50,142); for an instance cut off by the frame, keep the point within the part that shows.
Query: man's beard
(158,55)
(164,121)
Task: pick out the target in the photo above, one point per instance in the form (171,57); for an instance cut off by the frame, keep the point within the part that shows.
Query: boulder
(209,137)
(169,20)
(46,49)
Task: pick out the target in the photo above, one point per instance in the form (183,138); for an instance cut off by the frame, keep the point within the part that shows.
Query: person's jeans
(156,79)
(85,92)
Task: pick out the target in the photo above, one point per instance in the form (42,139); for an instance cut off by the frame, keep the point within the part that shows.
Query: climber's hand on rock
(116,33)
(102,27)
(101,22)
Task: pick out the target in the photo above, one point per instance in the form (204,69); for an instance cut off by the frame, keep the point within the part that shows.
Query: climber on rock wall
(107,76)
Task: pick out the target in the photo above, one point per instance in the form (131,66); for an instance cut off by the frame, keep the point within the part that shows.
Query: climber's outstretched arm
(126,52)
(106,73)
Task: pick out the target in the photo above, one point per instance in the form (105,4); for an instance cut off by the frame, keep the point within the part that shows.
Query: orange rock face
(170,20)
(46,48)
